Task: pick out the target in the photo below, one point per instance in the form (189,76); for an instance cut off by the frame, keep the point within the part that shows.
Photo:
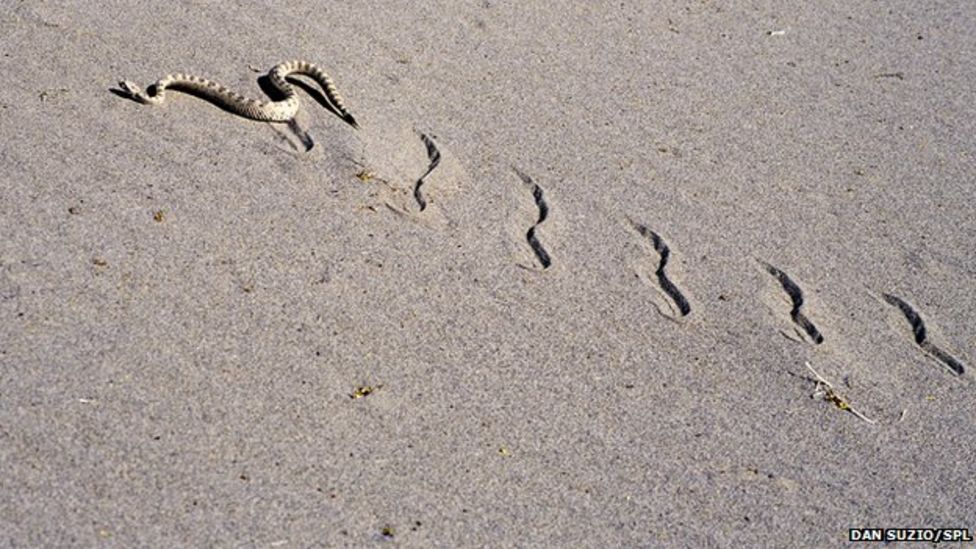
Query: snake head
(129,88)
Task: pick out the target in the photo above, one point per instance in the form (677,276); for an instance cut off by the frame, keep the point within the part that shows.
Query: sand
(224,332)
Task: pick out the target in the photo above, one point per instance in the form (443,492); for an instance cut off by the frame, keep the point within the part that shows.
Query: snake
(283,110)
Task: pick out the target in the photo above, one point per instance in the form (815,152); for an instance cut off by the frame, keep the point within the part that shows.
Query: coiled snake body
(282,110)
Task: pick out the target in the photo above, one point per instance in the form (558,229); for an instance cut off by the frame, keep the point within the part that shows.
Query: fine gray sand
(221,332)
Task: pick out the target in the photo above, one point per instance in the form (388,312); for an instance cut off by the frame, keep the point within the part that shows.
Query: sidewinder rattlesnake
(282,110)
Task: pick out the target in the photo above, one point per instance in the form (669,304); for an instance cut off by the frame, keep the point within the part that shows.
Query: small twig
(364,391)
(830,395)
(899,75)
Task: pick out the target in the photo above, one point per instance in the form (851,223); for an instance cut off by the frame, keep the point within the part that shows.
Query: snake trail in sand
(282,110)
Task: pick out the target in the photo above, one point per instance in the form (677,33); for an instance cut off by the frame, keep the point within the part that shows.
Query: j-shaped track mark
(921,335)
(434,154)
(540,203)
(662,278)
(796,296)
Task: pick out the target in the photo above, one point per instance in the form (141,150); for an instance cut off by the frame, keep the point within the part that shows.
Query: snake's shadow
(293,126)
(121,93)
(151,90)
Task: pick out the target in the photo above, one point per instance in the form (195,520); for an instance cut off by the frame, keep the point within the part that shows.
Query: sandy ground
(192,302)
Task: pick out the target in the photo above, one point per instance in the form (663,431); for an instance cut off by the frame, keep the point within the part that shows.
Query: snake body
(282,110)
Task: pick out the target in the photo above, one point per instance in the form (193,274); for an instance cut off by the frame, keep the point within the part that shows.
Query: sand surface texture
(559,289)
